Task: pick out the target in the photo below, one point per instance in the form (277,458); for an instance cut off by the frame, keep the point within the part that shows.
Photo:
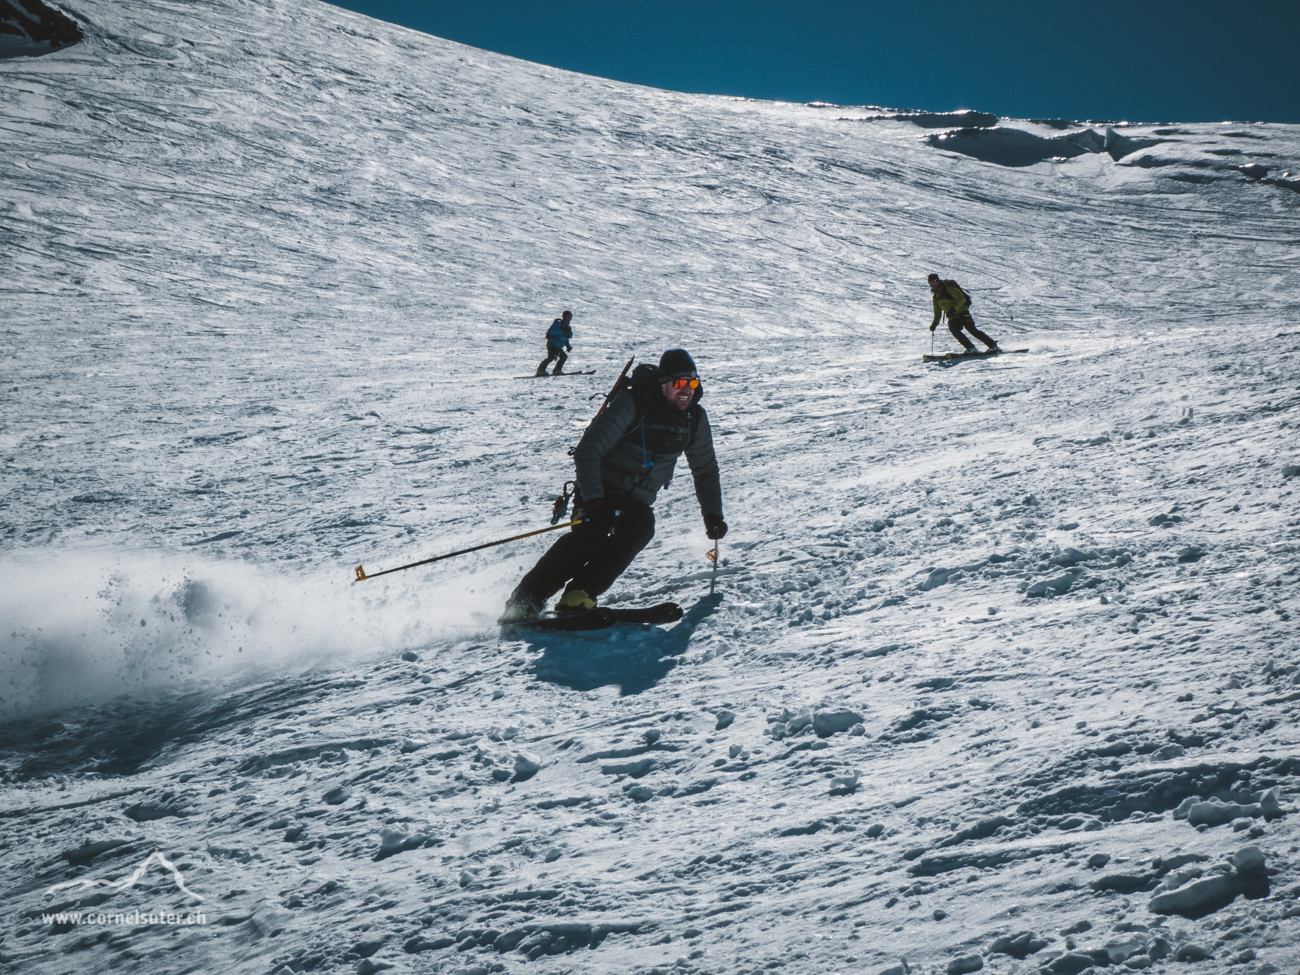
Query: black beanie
(933,277)
(676,363)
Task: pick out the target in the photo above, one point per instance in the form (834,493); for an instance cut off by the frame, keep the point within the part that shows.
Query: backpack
(555,335)
(969,299)
(644,377)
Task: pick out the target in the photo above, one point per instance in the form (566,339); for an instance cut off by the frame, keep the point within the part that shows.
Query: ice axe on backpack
(608,396)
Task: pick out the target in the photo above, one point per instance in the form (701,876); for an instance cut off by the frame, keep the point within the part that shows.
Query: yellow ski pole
(362,575)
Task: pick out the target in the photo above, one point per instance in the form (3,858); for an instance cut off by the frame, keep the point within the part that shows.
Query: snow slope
(268,272)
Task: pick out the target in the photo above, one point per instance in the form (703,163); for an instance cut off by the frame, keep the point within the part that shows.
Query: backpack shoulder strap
(696,414)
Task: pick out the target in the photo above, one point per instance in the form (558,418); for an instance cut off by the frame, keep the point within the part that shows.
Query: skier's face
(934,285)
(678,399)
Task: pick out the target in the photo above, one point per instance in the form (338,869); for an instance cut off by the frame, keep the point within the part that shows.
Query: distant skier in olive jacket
(627,454)
(559,338)
(949,297)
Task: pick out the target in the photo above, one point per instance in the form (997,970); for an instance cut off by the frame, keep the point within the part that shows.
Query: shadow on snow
(126,735)
(635,663)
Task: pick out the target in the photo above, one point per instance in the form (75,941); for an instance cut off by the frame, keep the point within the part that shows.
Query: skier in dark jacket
(949,297)
(559,339)
(627,454)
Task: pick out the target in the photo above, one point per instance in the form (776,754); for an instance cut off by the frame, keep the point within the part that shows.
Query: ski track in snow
(980,631)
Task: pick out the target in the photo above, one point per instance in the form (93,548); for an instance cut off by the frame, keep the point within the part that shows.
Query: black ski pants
(588,560)
(957,322)
(556,354)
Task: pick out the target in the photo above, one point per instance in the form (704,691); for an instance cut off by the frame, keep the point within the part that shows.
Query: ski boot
(519,611)
(574,601)
(541,370)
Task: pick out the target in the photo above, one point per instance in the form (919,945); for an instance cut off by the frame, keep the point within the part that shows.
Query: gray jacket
(612,456)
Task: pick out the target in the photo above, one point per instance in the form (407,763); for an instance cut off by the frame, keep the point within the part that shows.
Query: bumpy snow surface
(1001,668)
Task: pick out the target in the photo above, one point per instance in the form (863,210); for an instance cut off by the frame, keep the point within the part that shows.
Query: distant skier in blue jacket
(559,338)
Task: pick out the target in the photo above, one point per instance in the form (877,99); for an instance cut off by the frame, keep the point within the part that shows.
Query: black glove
(598,517)
(568,348)
(932,328)
(714,526)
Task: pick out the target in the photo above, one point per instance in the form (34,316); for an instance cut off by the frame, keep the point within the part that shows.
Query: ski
(958,356)
(593,619)
(654,615)
(600,618)
(548,375)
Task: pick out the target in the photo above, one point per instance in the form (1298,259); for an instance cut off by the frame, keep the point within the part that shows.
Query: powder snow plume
(84,626)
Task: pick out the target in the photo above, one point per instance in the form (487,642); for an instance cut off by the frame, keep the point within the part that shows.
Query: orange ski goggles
(685,382)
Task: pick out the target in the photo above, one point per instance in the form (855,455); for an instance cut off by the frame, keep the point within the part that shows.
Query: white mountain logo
(128,882)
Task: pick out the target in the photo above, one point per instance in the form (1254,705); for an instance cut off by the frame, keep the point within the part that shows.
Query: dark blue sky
(1137,60)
